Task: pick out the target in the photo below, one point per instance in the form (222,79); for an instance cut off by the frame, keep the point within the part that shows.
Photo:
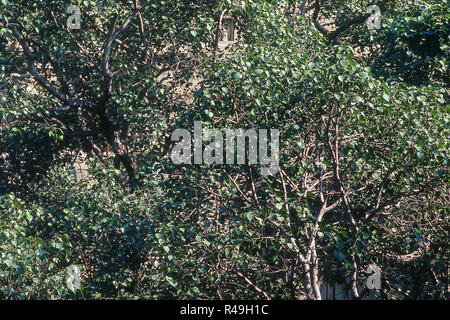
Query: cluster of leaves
(414,46)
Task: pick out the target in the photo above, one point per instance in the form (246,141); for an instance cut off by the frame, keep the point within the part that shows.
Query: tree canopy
(363,158)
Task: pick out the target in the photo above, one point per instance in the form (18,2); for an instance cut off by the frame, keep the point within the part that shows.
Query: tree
(363,173)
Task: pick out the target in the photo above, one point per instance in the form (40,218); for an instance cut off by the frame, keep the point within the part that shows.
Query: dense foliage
(363,178)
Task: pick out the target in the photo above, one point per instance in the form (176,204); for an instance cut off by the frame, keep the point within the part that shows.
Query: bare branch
(253,285)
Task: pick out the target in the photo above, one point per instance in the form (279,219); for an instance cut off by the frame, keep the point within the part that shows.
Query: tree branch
(31,58)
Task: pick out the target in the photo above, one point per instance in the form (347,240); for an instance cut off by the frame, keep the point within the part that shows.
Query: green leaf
(236,76)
